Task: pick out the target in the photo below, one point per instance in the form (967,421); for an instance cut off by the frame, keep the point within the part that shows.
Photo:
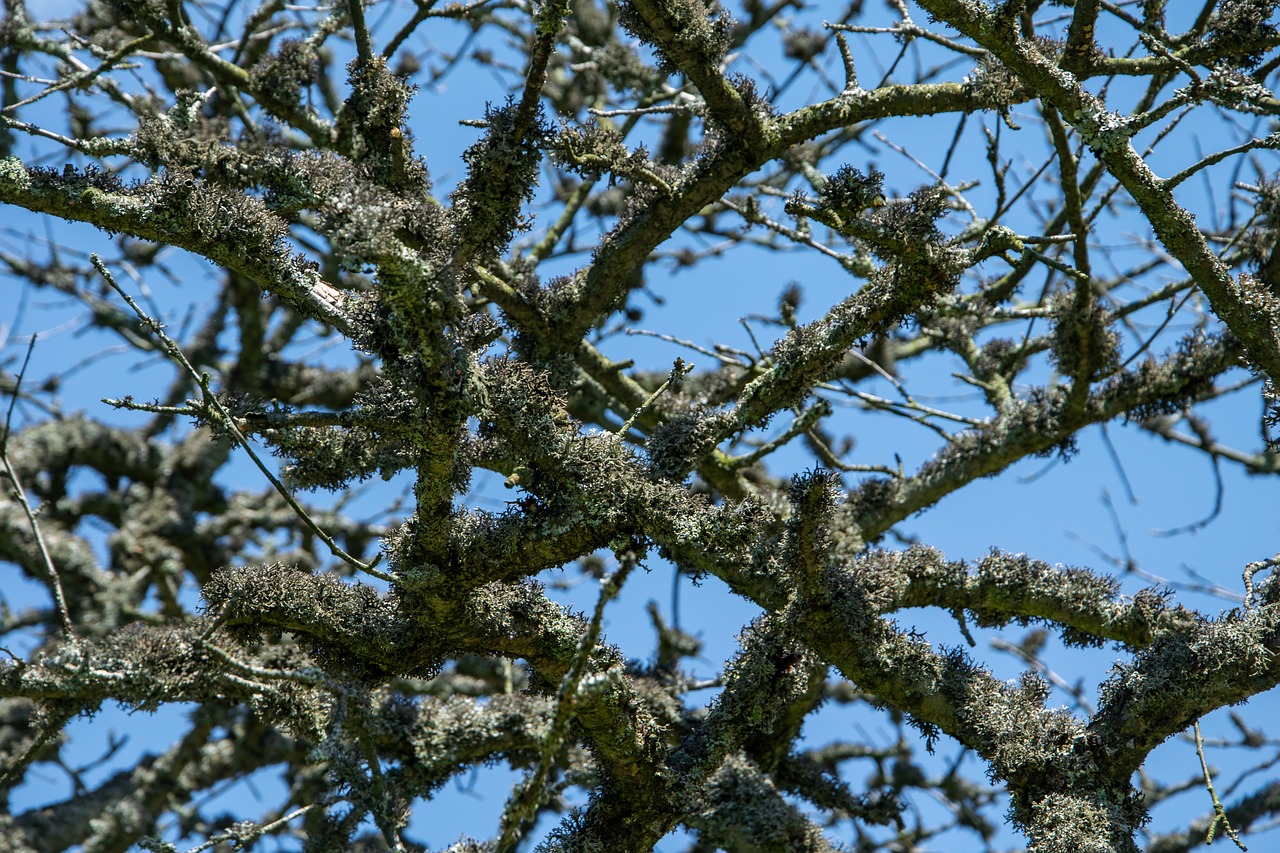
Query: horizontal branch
(230,229)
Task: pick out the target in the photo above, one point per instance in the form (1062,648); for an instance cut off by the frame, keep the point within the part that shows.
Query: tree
(362,324)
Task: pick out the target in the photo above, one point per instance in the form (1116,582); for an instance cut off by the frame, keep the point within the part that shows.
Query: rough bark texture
(478,331)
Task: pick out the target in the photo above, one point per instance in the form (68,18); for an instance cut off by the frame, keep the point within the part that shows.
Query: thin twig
(678,372)
(242,833)
(210,399)
(97,147)
(1219,813)
(909,30)
(829,458)
(1272,141)
(1251,570)
(671,339)
(806,421)
(55,583)
(661,109)
(84,78)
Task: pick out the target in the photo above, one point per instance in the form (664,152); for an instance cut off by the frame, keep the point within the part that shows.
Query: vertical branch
(55,583)
(363,46)
(523,805)
(850,70)
(1083,330)
(1080,36)
(503,167)
(548,21)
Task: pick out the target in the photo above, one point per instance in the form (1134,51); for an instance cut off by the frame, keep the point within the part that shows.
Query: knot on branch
(676,445)
(813,497)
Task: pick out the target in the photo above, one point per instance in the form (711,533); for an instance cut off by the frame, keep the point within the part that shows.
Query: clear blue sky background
(1050,510)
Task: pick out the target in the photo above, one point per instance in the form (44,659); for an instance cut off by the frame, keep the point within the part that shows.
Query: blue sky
(1052,510)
